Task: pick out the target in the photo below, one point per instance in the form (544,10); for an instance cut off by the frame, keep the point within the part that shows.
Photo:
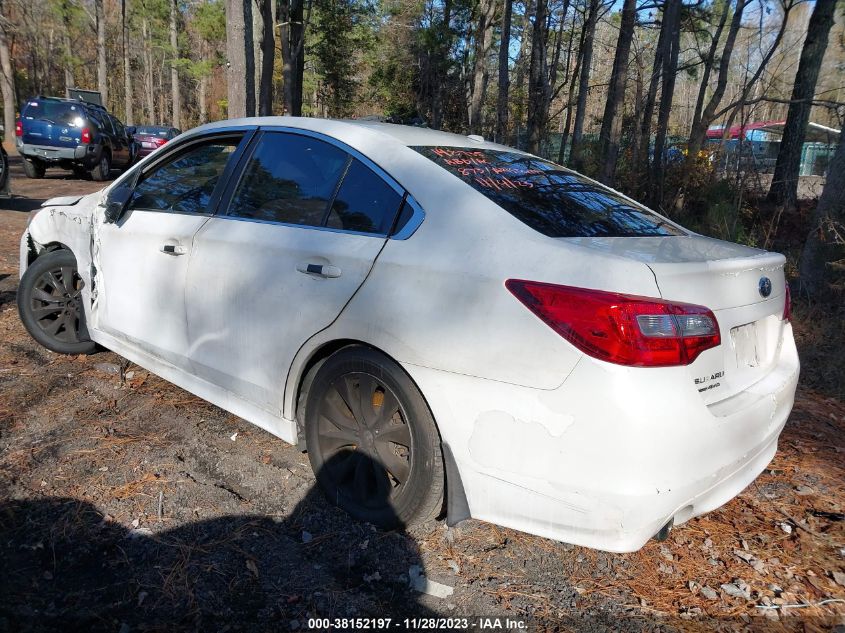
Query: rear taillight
(160,141)
(18,128)
(787,304)
(86,135)
(621,329)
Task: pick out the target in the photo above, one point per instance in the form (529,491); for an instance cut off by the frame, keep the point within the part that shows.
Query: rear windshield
(548,198)
(152,131)
(59,112)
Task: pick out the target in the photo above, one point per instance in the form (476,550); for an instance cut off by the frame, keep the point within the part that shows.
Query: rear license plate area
(744,342)
(147,144)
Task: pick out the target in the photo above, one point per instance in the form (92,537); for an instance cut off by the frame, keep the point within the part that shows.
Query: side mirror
(116,204)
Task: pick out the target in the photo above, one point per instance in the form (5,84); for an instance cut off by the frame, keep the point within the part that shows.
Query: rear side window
(289,178)
(364,202)
(550,199)
(96,119)
(185,183)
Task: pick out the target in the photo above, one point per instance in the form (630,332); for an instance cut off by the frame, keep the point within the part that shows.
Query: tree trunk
(239,51)
(268,51)
(570,100)
(704,117)
(576,153)
(504,74)
(7,82)
(174,70)
(611,125)
(537,78)
(67,50)
(707,66)
(128,115)
(518,84)
(149,88)
(202,95)
(669,71)
(102,77)
(440,66)
(828,220)
(481,68)
(642,159)
(784,187)
(636,128)
(291,15)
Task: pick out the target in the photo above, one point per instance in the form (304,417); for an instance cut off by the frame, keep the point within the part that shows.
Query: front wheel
(372,440)
(50,304)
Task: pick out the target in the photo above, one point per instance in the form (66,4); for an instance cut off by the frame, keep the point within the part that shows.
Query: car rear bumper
(613,454)
(87,155)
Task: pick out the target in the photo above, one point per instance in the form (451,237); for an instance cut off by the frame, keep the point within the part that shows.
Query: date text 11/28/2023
(480,623)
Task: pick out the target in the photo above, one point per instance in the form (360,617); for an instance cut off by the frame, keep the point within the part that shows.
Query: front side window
(185,183)
(548,198)
(289,178)
(364,202)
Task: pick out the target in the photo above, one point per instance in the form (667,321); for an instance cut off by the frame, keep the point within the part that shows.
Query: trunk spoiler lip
(764,262)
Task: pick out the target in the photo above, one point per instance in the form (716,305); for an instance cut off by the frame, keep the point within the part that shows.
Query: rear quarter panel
(438,299)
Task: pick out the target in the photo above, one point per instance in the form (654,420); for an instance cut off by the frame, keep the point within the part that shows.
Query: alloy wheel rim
(56,303)
(364,439)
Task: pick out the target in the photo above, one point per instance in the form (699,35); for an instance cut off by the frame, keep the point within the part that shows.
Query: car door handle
(173,249)
(320,270)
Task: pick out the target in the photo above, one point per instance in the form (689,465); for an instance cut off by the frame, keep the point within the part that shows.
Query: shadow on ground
(67,567)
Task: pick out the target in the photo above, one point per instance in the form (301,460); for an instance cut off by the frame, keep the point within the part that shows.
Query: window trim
(245,134)
(222,210)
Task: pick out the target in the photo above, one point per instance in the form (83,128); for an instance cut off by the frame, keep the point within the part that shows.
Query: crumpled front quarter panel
(69,226)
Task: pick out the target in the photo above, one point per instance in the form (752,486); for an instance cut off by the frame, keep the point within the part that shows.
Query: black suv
(73,135)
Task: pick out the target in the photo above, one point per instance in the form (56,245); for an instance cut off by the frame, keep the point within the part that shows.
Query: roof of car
(403,134)
(73,101)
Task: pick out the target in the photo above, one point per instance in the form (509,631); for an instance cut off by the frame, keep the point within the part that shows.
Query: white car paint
(539,436)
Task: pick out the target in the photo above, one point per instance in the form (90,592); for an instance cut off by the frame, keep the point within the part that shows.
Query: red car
(150,137)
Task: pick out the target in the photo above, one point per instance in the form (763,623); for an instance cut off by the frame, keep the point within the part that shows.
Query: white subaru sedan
(446,325)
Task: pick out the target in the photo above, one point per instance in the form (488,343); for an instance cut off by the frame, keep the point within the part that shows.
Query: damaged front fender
(67,223)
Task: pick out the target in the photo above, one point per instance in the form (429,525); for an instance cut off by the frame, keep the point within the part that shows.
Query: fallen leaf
(251,566)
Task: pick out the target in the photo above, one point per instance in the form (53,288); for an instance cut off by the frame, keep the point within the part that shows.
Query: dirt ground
(127,504)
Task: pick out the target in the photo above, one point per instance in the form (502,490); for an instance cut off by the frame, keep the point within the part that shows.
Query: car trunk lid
(744,287)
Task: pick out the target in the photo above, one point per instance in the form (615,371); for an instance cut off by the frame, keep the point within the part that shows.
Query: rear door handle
(173,249)
(320,270)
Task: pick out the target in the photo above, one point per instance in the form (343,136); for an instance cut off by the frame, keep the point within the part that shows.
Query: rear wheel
(33,168)
(372,440)
(50,304)
(103,168)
